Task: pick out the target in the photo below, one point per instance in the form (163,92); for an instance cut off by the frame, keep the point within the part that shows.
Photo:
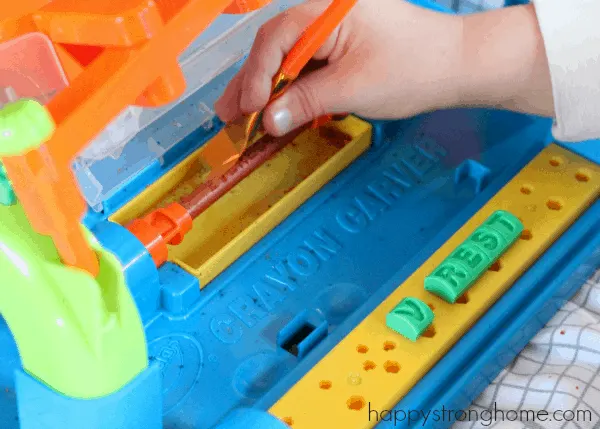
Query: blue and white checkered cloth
(558,372)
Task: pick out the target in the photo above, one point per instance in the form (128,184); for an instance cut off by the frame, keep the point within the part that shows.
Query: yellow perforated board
(373,367)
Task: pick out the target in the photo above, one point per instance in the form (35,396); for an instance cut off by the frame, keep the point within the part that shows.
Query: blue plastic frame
(137,405)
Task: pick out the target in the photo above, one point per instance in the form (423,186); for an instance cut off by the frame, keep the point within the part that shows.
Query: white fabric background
(558,370)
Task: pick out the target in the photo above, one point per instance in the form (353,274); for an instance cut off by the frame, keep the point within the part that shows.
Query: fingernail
(282,119)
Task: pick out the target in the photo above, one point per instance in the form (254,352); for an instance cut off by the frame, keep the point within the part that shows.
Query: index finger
(273,41)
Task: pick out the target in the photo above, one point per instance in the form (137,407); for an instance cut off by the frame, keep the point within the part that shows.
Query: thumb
(315,95)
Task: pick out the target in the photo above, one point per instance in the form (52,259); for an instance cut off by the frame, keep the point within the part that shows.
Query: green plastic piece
(24,125)
(7,195)
(474,257)
(410,318)
(81,336)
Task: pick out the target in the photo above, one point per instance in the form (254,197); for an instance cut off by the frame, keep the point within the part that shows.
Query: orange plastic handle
(314,37)
(245,6)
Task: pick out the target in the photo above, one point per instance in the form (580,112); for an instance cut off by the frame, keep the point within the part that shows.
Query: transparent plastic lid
(29,68)
(151,132)
(224,43)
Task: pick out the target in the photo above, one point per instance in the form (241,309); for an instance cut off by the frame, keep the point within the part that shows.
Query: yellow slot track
(256,205)
(374,368)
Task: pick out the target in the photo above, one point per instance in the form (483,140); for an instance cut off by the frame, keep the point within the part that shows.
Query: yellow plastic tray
(256,205)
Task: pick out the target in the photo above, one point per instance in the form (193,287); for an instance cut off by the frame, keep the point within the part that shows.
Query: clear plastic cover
(29,68)
(224,43)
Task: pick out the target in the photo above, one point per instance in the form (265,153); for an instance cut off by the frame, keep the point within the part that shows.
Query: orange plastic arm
(118,77)
(244,6)
(54,207)
(314,37)
(17,9)
(99,23)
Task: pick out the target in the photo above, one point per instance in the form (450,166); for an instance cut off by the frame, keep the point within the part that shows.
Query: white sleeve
(571,32)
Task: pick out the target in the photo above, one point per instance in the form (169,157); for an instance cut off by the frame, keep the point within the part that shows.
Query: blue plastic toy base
(136,406)
(230,341)
(228,346)
(250,418)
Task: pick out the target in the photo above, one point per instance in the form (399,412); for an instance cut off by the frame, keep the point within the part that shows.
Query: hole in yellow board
(496,266)
(362,348)
(464,299)
(555,161)
(325,384)
(582,176)
(389,345)
(356,403)
(526,235)
(526,189)
(430,332)
(392,367)
(554,205)
(369,365)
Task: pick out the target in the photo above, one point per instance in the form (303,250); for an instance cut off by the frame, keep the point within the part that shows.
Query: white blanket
(555,381)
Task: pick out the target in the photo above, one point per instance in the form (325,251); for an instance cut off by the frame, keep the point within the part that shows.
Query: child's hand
(388,59)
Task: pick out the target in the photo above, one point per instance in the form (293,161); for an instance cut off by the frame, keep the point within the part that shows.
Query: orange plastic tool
(313,38)
(245,6)
(295,61)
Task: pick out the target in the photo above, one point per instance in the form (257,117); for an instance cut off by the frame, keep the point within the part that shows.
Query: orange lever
(245,6)
(314,37)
